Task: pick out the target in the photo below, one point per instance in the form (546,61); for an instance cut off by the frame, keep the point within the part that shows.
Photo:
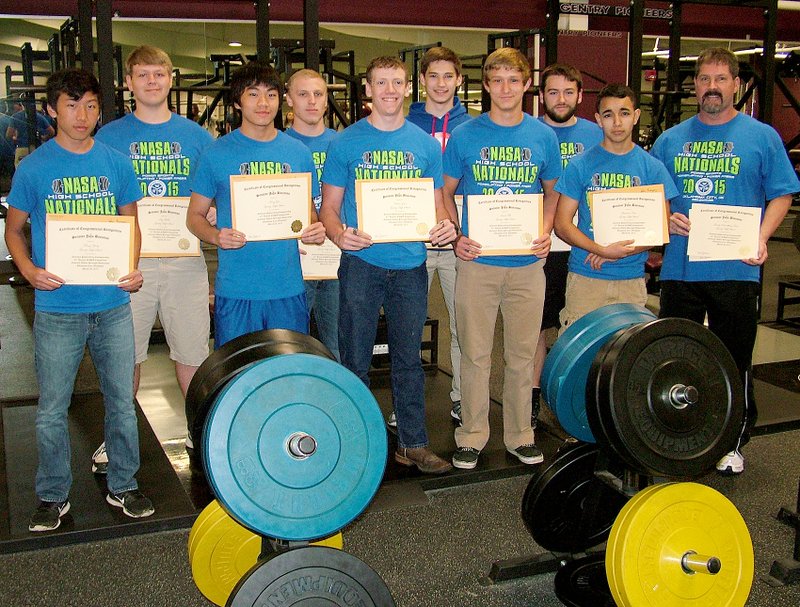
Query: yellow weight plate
(209,515)
(221,556)
(223,551)
(617,535)
(667,524)
(334,541)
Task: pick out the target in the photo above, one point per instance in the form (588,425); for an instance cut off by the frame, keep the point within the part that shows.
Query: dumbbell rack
(787,571)
(626,482)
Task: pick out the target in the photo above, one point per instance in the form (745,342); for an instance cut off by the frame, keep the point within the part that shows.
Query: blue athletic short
(235,317)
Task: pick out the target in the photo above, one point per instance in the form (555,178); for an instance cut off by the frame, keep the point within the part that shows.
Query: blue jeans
(403,294)
(323,301)
(59,341)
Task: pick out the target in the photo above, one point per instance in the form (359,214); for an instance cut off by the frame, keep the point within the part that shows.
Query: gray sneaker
(48,515)
(466,458)
(100,460)
(528,454)
(133,503)
(392,421)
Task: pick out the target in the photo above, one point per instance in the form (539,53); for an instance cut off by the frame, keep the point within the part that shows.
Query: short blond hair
(304,73)
(509,58)
(147,55)
(387,61)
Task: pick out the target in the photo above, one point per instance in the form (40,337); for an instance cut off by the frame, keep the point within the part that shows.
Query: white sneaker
(100,460)
(189,443)
(392,421)
(732,463)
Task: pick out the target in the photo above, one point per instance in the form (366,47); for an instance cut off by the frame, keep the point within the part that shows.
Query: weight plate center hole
(301,445)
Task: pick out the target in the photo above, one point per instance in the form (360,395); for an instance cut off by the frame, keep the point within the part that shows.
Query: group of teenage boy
(259,285)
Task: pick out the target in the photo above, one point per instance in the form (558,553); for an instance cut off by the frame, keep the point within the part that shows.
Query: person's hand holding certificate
(162,222)
(396,210)
(505,224)
(723,232)
(623,214)
(271,207)
(89,249)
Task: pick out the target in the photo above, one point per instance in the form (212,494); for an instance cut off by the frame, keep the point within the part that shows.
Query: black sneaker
(528,454)
(133,503)
(465,458)
(48,515)
(535,406)
(455,411)
(100,460)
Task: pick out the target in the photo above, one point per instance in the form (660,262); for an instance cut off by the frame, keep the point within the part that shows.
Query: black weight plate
(567,508)
(312,576)
(583,583)
(231,359)
(597,410)
(640,373)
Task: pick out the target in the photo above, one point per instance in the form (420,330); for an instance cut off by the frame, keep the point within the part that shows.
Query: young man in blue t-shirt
(307,95)
(439,114)
(389,275)
(70,317)
(501,152)
(19,131)
(560,93)
(259,284)
(599,274)
(164,149)
(721,156)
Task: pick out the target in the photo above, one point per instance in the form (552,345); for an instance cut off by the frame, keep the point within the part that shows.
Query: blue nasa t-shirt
(598,169)
(164,155)
(319,152)
(55,180)
(363,152)
(741,163)
(491,159)
(265,269)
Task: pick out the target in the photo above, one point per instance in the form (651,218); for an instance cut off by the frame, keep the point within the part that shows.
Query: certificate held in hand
(396,210)
(320,261)
(162,222)
(506,224)
(271,207)
(89,249)
(638,214)
(722,232)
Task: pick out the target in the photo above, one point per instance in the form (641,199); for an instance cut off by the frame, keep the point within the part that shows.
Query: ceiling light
(234,43)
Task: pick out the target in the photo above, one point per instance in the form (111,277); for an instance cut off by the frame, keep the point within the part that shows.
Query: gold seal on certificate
(89,249)
(162,222)
(321,261)
(722,232)
(396,210)
(505,224)
(638,214)
(271,207)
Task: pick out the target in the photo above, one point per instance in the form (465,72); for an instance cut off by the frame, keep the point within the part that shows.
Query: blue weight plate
(273,407)
(566,367)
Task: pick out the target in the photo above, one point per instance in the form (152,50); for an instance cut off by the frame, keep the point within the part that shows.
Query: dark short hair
(439,53)
(253,74)
(717,54)
(620,91)
(386,61)
(561,69)
(72,82)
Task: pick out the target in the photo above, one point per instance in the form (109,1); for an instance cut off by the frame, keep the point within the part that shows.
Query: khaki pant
(585,294)
(519,295)
(20,153)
